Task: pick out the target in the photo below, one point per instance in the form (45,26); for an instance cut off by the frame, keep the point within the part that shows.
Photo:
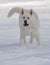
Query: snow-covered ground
(11,53)
(4,1)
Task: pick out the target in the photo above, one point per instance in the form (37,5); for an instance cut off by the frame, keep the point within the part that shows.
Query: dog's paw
(21,42)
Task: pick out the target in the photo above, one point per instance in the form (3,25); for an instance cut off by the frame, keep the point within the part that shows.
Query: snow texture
(5,1)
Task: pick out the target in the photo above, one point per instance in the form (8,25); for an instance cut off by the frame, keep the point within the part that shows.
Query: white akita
(28,23)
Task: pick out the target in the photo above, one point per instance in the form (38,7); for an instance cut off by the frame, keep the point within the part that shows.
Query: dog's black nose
(25,23)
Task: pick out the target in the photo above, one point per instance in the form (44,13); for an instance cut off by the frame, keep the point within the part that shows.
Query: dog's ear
(22,12)
(31,12)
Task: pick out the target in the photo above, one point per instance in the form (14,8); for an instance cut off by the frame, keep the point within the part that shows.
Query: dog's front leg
(31,39)
(38,38)
(22,39)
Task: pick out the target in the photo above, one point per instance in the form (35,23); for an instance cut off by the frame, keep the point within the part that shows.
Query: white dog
(28,23)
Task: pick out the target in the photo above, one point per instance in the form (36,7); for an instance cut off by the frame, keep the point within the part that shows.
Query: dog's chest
(27,31)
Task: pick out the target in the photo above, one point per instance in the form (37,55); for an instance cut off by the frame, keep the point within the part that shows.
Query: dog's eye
(23,17)
(27,17)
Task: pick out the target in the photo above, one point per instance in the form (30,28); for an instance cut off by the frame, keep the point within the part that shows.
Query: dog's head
(26,17)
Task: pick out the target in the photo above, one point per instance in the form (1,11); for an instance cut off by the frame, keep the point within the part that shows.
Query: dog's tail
(14,10)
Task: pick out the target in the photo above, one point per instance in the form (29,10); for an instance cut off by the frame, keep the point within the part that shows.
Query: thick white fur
(32,30)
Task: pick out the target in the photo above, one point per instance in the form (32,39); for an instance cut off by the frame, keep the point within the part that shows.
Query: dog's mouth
(26,24)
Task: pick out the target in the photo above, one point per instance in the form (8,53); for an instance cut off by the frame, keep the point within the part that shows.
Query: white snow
(3,1)
(11,53)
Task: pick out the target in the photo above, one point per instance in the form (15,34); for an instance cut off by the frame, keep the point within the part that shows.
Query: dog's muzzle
(25,23)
